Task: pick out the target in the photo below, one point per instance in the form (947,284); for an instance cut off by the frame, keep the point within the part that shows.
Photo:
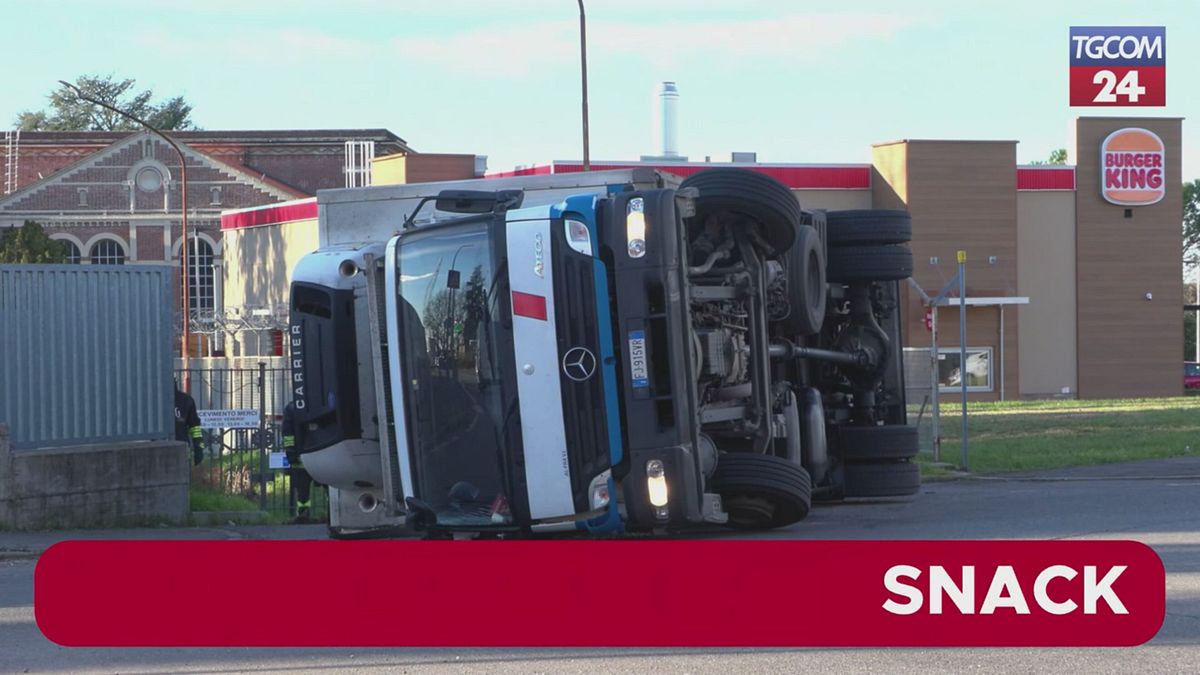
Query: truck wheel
(868,226)
(806,284)
(761,491)
(754,195)
(894,441)
(869,263)
(881,479)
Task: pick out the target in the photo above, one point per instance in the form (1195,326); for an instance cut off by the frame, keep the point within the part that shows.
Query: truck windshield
(449,322)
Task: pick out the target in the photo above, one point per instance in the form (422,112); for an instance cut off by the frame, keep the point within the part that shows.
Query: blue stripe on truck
(584,206)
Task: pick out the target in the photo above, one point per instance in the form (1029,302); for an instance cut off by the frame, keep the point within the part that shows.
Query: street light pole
(587,165)
(184,340)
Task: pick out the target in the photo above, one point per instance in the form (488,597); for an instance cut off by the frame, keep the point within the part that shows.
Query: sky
(798,81)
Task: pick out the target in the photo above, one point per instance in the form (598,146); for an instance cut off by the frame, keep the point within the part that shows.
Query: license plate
(637,359)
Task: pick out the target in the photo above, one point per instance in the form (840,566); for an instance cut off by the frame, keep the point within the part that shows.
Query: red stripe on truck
(529,305)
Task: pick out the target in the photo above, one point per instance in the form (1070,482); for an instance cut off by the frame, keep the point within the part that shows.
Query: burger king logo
(1131,168)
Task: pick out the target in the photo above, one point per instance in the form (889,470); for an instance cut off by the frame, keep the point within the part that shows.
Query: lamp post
(451,338)
(583,72)
(184,340)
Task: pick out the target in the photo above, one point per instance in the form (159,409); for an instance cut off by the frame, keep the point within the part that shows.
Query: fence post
(262,436)
(962,348)
(935,382)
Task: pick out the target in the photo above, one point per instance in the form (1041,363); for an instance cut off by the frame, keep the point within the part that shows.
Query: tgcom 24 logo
(1118,65)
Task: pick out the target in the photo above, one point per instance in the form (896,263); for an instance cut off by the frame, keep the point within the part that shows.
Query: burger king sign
(1132,168)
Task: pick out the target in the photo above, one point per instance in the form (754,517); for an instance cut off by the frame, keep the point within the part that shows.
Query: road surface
(1154,502)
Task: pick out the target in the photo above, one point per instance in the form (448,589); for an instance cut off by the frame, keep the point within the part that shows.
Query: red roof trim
(1046,178)
(270,214)
(540,170)
(796,176)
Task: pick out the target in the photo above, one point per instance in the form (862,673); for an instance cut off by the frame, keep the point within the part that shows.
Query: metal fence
(918,393)
(236,459)
(918,371)
(85,353)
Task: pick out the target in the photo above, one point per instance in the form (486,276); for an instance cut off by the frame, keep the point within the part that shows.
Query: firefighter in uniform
(301,481)
(187,424)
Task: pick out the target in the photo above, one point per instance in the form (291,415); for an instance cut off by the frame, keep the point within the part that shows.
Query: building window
(202,277)
(214,196)
(107,252)
(979,369)
(83,196)
(73,253)
(149,179)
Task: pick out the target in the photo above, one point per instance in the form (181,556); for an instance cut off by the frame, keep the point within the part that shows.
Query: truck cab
(647,359)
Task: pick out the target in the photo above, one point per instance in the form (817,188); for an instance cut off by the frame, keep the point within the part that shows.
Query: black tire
(866,444)
(869,263)
(761,491)
(860,227)
(881,479)
(807,290)
(757,196)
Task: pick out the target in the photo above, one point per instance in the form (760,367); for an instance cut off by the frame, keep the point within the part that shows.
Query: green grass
(211,500)
(1032,435)
(229,483)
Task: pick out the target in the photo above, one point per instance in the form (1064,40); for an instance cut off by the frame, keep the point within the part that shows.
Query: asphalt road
(1155,502)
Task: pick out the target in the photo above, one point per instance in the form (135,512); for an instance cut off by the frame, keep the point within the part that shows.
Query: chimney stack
(668,118)
(666,125)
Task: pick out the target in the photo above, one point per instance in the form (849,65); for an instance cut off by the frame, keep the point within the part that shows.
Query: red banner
(600,593)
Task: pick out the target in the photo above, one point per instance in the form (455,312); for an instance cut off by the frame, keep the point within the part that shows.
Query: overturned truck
(602,352)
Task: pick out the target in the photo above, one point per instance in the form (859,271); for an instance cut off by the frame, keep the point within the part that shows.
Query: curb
(947,478)
(215,518)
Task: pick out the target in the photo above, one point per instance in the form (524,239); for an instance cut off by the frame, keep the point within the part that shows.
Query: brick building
(115,197)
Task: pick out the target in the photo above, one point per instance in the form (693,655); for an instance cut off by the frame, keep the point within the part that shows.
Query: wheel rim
(745,511)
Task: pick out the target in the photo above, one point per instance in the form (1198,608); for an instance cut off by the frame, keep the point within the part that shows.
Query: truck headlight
(635,227)
(598,491)
(656,484)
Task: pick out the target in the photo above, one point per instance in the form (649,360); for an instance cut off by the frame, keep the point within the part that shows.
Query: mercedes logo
(579,363)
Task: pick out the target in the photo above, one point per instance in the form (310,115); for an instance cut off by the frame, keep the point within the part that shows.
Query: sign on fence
(245,418)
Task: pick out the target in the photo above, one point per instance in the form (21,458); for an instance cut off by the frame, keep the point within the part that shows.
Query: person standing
(187,424)
(299,478)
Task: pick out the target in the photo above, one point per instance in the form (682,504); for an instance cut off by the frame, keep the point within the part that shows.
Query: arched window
(74,255)
(202,277)
(107,252)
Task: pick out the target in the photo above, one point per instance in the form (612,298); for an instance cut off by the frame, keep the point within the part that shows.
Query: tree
(1191,222)
(1057,158)
(68,113)
(475,303)
(30,244)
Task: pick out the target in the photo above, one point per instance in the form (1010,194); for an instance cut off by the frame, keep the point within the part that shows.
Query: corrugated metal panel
(85,353)
(1046,178)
